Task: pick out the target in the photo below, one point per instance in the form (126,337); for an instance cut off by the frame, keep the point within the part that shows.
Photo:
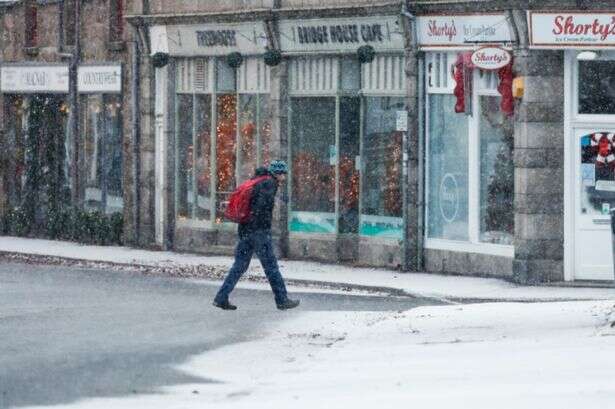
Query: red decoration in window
(505,75)
(459,91)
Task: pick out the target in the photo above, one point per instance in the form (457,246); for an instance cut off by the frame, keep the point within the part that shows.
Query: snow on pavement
(504,355)
(429,285)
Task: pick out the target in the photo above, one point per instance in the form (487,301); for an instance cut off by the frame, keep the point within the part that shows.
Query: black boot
(288,304)
(224,305)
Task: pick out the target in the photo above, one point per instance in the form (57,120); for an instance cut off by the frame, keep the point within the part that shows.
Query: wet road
(68,334)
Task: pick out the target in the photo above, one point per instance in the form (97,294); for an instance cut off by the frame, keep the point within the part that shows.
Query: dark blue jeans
(258,242)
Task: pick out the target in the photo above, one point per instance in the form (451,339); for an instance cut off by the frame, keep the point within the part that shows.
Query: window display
(103,153)
(219,146)
(496,173)
(448,170)
(314,156)
(470,170)
(382,155)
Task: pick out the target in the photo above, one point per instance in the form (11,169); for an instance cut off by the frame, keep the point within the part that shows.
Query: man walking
(255,237)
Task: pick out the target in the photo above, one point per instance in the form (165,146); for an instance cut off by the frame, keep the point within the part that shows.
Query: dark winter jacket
(261,204)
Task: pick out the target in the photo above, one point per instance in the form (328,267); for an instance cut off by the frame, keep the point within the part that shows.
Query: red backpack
(238,209)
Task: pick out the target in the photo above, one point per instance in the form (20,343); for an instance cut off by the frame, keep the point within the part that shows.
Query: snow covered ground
(427,285)
(505,355)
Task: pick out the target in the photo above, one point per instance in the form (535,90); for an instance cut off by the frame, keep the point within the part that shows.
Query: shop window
(596,87)
(222,135)
(31,23)
(343,131)
(470,172)
(226,150)
(116,20)
(496,173)
(314,157)
(382,181)
(448,170)
(103,153)
(254,134)
(15,113)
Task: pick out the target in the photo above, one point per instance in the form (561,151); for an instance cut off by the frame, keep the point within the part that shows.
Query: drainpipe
(74,106)
(135,134)
(412,51)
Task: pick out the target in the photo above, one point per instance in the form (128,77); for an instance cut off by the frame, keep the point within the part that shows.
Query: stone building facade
(45,168)
(407,148)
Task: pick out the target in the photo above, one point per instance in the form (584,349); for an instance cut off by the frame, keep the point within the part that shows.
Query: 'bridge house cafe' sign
(384,33)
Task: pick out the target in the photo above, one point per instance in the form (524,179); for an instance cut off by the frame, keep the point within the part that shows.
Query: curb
(214,272)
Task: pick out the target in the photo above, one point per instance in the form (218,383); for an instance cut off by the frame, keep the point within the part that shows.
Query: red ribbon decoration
(459,92)
(505,89)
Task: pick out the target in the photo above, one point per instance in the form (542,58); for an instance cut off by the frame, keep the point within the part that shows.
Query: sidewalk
(452,288)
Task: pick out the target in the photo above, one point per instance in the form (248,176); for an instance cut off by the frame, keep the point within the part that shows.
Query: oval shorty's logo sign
(491,58)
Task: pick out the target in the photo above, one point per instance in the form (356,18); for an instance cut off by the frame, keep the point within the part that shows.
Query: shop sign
(209,40)
(462,30)
(491,58)
(32,79)
(562,30)
(100,79)
(54,78)
(384,33)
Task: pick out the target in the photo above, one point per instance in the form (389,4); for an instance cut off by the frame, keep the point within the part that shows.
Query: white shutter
(314,76)
(254,76)
(439,71)
(194,75)
(384,75)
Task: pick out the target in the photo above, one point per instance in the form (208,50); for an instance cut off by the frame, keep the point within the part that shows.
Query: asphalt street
(68,334)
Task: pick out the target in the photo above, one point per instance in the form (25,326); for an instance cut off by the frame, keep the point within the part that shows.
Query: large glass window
(15,113)
(102,147)
(221,137)
(382,200)
(314,157)
(596,87)
(470,185)
(448,170)
(184,182)
(345,151)
(496,173)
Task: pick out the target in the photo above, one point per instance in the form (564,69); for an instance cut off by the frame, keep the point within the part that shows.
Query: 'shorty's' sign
(462,30)
(341,35)
(569,30)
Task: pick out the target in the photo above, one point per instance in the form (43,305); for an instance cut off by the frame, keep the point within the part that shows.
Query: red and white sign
(490,58)
(570,30)
(462,31)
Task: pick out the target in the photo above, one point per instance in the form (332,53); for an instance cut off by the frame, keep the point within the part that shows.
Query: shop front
(469,140)
(347,87)
(213,126)
(587,40)
(40,150)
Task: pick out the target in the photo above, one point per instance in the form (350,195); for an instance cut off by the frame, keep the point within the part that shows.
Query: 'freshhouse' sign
(585,29)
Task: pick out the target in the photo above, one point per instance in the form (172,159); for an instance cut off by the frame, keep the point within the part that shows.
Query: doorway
(590,164)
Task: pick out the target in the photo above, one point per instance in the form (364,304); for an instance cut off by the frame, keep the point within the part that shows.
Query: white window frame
(445,84)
